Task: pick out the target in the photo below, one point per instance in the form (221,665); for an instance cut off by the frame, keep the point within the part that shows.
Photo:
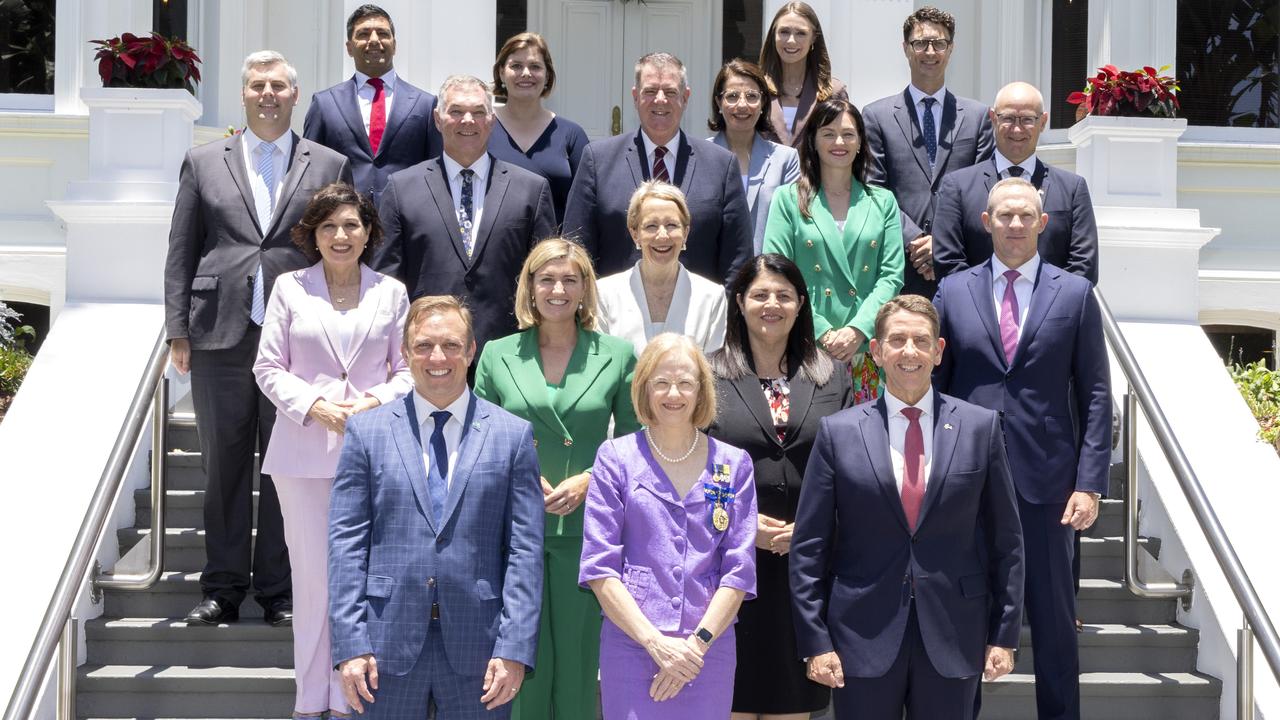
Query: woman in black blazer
(773,386)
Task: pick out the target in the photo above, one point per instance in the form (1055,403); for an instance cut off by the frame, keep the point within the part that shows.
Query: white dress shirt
(917,102)
(479,183)
(1022,287)
(453,428)
(249,149)
(673,149)
(364,95)
(898,433)
(1003,164)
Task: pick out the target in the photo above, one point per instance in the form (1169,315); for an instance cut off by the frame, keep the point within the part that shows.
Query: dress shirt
(673,148)
(479,183)
(453,428)
(364,94)
(1022,287)
(917,101)
(898,433)
(249,149)
(1003,164)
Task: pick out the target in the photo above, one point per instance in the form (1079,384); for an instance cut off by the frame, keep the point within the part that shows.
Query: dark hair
(817,64)
(931,14)
(824,113)
(323,204)
(750,71)
(917,304)
(514,44)
(365,11)
(733,361)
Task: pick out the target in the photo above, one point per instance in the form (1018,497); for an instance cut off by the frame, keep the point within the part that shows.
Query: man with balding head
(1069,240)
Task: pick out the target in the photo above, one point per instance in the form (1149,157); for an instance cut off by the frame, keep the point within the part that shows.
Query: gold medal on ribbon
(720,518)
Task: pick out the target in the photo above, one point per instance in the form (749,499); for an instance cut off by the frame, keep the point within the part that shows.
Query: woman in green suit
(841,232)
(569,381)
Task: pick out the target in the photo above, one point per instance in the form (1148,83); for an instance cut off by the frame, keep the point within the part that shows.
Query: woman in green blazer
(569,381)
(841,232)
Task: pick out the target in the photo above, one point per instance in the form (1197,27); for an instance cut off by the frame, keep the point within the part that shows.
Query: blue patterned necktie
(930,130)
(466,210)
(438,468)
(266,171)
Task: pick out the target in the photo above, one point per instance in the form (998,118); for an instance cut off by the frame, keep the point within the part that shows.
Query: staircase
(1136,662)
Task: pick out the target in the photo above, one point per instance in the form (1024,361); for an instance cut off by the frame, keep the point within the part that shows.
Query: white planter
(1129,161)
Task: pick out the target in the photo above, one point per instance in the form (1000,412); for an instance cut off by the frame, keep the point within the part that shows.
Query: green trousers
(565,681)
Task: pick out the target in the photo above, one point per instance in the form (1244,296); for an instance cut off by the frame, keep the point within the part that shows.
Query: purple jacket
(665,550)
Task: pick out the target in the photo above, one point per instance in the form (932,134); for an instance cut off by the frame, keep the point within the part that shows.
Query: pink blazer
(300,359)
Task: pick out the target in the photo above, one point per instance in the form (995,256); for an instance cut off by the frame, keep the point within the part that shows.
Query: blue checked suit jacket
(388,559)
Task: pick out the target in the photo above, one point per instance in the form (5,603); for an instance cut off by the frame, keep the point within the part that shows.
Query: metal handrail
(57,616)
(1257,624)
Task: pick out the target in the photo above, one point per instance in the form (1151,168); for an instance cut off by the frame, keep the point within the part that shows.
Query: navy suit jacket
(900,162)
(1070,241)
(854,561)
(422,245)
(595,215)
(333,120)
(389,560)
(1055,398)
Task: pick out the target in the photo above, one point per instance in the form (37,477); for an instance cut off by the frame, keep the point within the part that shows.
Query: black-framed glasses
(939,44)
(1025,121)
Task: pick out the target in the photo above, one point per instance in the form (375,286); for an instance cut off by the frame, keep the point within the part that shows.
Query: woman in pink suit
(330,348)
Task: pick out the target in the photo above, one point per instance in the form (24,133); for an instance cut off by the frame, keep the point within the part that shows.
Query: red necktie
(912,467)
(660,166)
(377,115)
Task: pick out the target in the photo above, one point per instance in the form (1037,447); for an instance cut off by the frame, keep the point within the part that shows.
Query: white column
(1132,33)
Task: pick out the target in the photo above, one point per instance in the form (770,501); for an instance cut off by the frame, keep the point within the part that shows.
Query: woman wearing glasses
(741,93)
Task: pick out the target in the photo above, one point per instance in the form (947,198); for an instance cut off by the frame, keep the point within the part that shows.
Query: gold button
(873,243)
(808,243)
(817,268)
(853,293)
(828,292)
(866,268)
(535,443)
(568,442)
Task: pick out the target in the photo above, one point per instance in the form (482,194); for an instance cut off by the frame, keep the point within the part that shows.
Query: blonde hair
(656,190)
(550,250)
(429,305)
(704,406)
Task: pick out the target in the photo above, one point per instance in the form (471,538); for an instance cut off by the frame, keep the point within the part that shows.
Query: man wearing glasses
(919,135)
(1070,239)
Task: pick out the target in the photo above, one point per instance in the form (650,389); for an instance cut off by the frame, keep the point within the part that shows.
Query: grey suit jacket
(216,245)
(900,162)
(771,165)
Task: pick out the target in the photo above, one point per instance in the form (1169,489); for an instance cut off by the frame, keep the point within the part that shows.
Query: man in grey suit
(919,135)
(461,224)
(238,198)
(611,169)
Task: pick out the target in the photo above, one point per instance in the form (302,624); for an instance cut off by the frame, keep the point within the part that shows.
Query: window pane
(741,30)
(1227,62)
(26,46)
(513,19)
(1068,73)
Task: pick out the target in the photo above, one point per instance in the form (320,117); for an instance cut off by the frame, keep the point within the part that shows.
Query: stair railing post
(67,650)
(1244,671)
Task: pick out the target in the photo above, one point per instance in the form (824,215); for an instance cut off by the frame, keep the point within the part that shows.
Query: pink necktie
(377,115)
(912,467)
(1009,316)
(659,165)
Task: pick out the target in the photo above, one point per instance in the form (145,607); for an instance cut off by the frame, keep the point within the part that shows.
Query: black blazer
(422,245)
(743,420)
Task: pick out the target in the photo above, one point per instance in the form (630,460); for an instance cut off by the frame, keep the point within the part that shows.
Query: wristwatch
(704,636)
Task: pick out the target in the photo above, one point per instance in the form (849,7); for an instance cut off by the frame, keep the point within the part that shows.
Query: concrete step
(185,507)
(183,548)
(1103,557)
(1112,696)
(1110,602)
(183,436)
(182,691)
(170,641)
(186,471)
(1110,519)
(172,597)
(1126,648)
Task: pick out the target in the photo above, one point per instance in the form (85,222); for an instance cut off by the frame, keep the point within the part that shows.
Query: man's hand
(568,495)
(825,669)
(1082,510)
(180,355)
(999,663)
(922,256)
(843,342)
(354,687)
(502,680)
(329,414)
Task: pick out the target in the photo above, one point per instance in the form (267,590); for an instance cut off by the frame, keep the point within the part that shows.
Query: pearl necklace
(658,451)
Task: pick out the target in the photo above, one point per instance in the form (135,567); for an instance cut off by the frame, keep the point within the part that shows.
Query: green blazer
(567,432)
(850,274)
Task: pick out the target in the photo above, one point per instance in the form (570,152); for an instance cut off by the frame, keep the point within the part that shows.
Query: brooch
(720,495)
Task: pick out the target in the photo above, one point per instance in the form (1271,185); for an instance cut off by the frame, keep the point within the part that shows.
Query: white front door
(595,44)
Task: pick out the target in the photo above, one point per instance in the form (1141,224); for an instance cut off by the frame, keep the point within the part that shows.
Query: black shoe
(212,611)
(280,615)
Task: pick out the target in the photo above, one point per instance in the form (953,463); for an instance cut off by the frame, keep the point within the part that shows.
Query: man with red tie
(906,560)
(375,118)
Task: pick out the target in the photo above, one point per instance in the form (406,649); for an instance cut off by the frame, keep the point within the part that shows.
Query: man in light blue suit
(435,539)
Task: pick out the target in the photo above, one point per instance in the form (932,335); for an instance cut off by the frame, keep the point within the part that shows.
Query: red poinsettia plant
(147,62)
(1128,93)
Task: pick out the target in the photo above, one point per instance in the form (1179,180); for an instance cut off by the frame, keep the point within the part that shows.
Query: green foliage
(26,51)
(1260,388)
(14,358)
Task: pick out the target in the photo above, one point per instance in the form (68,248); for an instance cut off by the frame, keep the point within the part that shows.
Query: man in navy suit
(595,215)
(1070,239)
(919,135)
(1025,339)
(379,121)
(461,224)
(906,559)
(435,539)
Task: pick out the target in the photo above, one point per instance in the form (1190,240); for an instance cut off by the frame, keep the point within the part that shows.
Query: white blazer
(697,309)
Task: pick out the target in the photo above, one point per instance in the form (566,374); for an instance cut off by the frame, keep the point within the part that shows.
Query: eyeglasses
(684,385)
(938,44)
(733,97)
(1026,121)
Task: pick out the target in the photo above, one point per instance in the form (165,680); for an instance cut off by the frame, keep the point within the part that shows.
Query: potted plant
(14,358)
(1136,93)
(147,62)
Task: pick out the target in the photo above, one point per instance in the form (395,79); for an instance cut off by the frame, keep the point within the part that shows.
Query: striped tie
(266,171)
(660,165)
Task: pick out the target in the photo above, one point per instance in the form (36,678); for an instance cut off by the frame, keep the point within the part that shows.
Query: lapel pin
(947,426)
(475,426)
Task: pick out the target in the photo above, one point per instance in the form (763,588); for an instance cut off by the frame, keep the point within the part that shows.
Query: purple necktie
(1009,316)
(912,467)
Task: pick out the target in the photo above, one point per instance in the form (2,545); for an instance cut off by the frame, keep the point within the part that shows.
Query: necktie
(930,130)
(466,210)
(1009,316)
(912,467)
(1015,171)
(438,468)
(377,114)
(660,165)
(267,171)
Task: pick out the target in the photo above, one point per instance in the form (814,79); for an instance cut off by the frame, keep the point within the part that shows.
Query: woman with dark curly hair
(330,348)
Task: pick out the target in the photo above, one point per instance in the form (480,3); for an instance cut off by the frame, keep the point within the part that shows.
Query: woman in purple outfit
(669,546)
